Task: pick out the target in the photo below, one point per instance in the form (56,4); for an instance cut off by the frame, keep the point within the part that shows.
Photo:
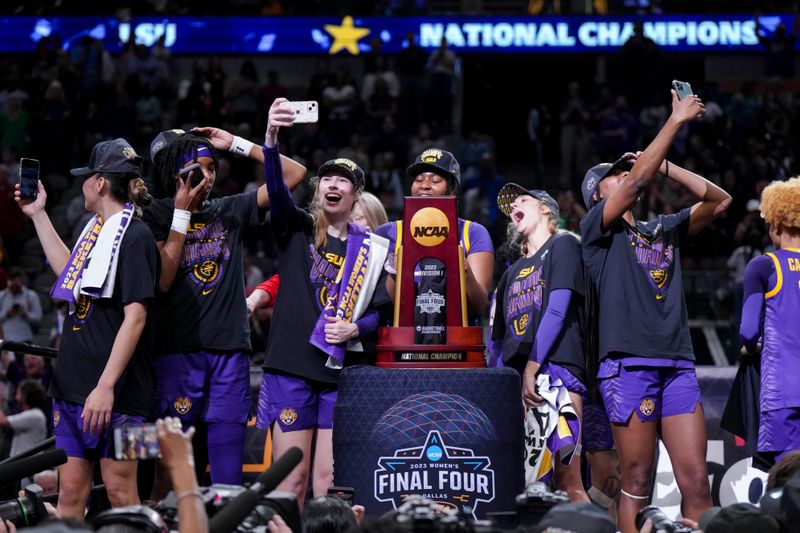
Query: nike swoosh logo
(207,292)
(76,328)
(659,297)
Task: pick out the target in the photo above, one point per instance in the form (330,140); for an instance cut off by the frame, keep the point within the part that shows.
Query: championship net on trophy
(430,327)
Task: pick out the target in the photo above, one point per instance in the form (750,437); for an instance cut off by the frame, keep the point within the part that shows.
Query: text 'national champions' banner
(348,35)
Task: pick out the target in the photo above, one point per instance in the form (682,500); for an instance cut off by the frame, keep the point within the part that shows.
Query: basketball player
(646,369)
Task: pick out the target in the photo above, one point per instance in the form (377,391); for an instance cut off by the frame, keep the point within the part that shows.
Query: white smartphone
(305,112)
(682,89)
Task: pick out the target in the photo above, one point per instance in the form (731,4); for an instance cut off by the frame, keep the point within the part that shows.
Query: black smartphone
(193,172)
(343,493)
(682,89)
(136,441)
(28,179)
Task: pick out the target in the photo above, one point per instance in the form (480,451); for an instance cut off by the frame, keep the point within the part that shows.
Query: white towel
(99,277)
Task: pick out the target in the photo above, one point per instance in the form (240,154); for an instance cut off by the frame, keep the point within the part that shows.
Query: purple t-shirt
(770,311)
(641,308)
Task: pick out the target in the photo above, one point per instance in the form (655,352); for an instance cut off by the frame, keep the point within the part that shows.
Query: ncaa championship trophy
(430,309)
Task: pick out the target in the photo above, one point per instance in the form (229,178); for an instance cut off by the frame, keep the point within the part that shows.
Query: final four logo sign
(453,477)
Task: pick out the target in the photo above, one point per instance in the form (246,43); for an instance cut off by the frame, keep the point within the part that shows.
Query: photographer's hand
(177,456)
(277,525)
(176,445)
(6,526)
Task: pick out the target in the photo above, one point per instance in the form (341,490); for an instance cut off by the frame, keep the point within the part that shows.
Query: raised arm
(187,198)
(54,248)
(648,162)
(293,172)
(713,200)
(282,205)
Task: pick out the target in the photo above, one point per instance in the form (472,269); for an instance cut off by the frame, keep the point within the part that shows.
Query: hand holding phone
(688,106)
(682,89)
(193,173)
(28,179)
(305,112)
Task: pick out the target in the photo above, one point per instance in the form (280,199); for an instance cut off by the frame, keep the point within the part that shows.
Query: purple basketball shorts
(779,431)
(570,382)
(68,430)
(596,427)
(651,392)
(295,403)
(212,387)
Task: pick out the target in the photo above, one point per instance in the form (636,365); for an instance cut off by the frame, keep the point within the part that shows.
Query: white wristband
(180,221)
(241,146)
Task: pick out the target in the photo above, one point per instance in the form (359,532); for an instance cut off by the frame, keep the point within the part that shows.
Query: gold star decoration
(346,36)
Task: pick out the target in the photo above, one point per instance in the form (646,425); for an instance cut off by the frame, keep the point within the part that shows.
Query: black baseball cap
(437,161)
(511,191)
(345,167)
(111,156)
(576,518)
(162,140)
(741,518)
(597,173)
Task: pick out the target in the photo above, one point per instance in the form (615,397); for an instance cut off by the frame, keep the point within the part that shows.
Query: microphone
(27,347)
(23,468)
(227,519)
(47,443)
(277,472)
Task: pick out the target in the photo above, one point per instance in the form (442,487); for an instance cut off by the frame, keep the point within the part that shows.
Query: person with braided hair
(104,377)
(202,359)
(769,314)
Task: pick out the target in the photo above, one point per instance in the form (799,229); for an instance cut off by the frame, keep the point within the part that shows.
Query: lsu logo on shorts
(288,416)
(56,417)
(647,407)
(182,405)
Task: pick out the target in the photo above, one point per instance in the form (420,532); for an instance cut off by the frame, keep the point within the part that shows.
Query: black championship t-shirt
(523,295)
(637,273)
(90,331)
(205,307)
(307,277)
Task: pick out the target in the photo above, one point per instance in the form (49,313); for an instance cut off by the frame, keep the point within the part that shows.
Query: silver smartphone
(305,112)
(682,89)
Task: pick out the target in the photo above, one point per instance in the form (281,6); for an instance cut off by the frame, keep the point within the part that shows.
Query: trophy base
(464,349)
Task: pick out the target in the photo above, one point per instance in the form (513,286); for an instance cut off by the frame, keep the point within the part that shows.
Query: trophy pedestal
(464,349)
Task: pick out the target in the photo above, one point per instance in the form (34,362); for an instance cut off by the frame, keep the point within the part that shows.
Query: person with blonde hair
(769,319)
(369,211)
(325,305)
(538,323)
